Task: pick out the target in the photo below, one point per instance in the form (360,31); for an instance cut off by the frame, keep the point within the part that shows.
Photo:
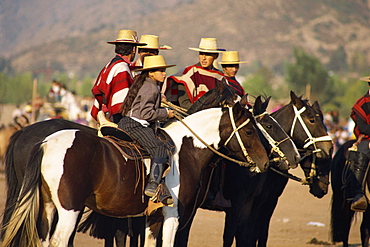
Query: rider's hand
(171,113)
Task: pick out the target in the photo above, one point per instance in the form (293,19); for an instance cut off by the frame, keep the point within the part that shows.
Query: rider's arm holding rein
(363,127)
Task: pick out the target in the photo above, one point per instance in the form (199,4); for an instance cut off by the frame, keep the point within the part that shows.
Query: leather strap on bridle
(250,163)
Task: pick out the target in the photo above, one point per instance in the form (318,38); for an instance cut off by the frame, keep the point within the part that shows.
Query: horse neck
(284,116)
(205,124)
(208,100)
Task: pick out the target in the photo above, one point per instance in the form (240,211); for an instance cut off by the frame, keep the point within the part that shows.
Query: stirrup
(360,205)
(151,189)
(164,195)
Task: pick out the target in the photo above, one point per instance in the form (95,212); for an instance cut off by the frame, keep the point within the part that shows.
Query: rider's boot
(155,177)
(359,203)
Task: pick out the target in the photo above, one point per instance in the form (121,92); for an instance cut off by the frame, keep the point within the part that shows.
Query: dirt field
(298,218)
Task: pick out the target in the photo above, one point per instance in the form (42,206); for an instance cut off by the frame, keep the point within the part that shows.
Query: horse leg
(138,231)
(365,228)
(182,235)
(153,228)
(49,213)
(230,227)
(170,225)
(64,228)
(120,238)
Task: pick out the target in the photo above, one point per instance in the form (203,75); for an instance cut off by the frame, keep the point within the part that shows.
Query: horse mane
(220,95)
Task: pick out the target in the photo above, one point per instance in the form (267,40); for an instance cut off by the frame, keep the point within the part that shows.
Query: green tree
(308,70)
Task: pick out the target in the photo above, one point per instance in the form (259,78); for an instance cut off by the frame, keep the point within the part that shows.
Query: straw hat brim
(164,47)
(127,42)
(207,50)
(155,67)
(233,62)
(366,78)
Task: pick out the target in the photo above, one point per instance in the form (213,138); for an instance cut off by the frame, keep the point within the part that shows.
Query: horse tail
(11,180)
(100,226)
(21,228)
(341,214)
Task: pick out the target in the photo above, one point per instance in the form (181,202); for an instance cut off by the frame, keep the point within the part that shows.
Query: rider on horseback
(361,116)
(141,109)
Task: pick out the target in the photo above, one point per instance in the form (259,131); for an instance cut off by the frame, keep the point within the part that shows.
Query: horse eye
(312,120)
(269,126)
(249,132)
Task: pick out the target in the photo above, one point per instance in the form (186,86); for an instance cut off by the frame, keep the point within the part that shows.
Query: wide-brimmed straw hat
(152,42)
(154,62)
(127,36)
(231,57)
(208,45)
(366,78)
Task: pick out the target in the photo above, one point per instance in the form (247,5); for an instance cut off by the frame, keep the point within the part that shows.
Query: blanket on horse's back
(131,148)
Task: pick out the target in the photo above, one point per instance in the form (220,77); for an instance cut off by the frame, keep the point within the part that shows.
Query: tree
(308,70)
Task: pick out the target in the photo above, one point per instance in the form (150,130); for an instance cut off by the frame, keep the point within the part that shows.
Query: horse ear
(244,101)
(265,104)
(258,105)
(316,107)
(295,100)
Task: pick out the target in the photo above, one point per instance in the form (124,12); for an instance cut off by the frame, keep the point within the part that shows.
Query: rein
(249,163)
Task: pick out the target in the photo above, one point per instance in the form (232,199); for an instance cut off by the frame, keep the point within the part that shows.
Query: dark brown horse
(304,123)
(341,213)
(239,185)
(112,185)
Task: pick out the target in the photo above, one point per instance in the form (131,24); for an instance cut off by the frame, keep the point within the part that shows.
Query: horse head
(239,134)
(305,125)
(281,147)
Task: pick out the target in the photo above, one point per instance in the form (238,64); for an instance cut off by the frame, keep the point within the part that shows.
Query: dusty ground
(289,225)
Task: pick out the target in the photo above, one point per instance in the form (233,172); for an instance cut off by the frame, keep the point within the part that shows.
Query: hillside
(69,36)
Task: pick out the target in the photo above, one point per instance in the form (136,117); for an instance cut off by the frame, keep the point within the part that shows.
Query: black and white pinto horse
(304,124)
(341,213)
(110,184)
(22,142)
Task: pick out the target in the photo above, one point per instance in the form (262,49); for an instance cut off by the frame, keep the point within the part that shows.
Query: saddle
(131,148)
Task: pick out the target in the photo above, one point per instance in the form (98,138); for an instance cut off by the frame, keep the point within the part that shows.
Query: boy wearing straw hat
(115,78)
(189,84)
(141,109)
(152,48)
(361,116)
(230,65)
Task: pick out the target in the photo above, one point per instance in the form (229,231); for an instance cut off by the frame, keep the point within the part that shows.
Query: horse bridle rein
(250,163)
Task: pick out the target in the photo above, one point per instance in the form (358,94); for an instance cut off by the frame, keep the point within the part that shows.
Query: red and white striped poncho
(111,86)
(196,80)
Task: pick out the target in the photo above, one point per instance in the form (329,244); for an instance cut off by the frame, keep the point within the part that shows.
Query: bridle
(308,142)
(274,144)
(250,163)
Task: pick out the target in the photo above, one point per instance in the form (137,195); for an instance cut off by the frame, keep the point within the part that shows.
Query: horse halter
(309,141)
(250,163)
(274,144)
(241,144)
